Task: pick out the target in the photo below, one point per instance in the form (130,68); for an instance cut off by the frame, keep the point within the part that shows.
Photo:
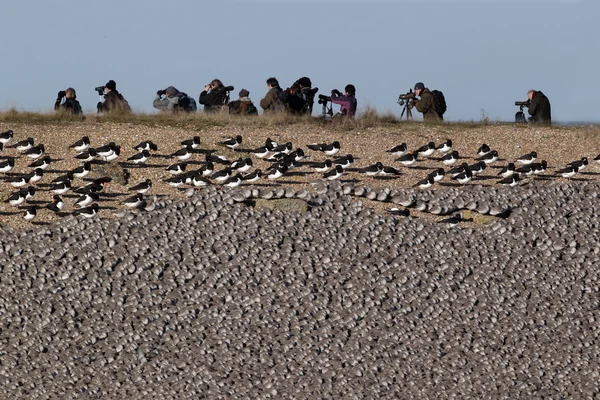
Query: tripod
(406,109)
(327,110)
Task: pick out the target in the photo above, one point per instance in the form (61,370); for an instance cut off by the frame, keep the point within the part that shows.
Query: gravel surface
(207,297)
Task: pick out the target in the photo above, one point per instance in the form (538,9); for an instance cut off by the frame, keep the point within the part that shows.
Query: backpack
(187,103)
(440,102)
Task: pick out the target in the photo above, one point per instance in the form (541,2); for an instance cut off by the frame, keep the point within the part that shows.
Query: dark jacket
(347,104)
(539,109)
(427,106)
(213,101)
(243,106)
(71,106)
(272,101)
(114,101)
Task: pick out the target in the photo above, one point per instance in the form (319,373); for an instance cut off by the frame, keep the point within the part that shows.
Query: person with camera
(304,96)
(272,102)
(70,105)
(173,101)
(539,107)
(214,96)
(426,104)
(346,101)
(113,100)
(243,105)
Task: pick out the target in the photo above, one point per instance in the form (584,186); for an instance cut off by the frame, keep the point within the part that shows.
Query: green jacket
(539,109)
(272,101)
(427,106)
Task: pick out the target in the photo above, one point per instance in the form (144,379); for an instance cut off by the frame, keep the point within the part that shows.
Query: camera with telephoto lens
(324,99)
(406,98)
(100,90)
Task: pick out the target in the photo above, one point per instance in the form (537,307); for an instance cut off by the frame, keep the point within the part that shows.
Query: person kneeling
(347,101)
(70,105)
(173,101)
(243,105)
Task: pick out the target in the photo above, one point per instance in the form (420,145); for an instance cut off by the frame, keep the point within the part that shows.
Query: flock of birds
(283,158)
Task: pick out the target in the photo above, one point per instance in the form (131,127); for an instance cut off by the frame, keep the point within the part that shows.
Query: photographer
(243,105)
(214,96)
(173,101)
(539,108)
(113,100)
(70,105)
(347,101)
(305,94)
(426,105)
(272,101)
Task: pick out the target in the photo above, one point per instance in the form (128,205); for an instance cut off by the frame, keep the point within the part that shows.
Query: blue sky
(483,55)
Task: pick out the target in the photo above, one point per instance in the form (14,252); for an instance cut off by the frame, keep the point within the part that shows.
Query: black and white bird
(389,171)
(597,158)
(142,187)
(16,198)
(445,147)
(87,156)
(253,176)
(184,153)
(57,204)
(233,142)
(454,172)
(483,150)
(106,150)
(146,145)
(400,212)
(221,176)
(511,181)
(334,173)
(6,137)
(177,169)
(82,171)
(437,174)
(87,212)
(568,172)
(61,187)
(194,142)
(277,172)
(140,158)
(177,180)
(29,192)
(528,158)
(41,163)
(425,183)
(217,159)
(373,170)
(450,158)
(408,159)
(525,170)
(579,164)
(322,166)
(18,181)
(86,199)
(344,161)
(426,150)
(234,181)
(115,154)
(489,158)
(7,165)
(261,152)
(508,171)
(453,220)
(29,213)
(298,155)
(207,169)
(134,201)
(399,150)
(96,186)
(199,180)
(35,152)
(81,145)
(478,168)
(242,165)
(22,145)
(36,175)
(540,168)
(283,148)
(329,149)
(464,177)
(270,144)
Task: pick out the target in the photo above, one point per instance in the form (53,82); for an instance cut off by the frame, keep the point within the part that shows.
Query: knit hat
(419,86)
(244,93)
(112,85)
(171,91)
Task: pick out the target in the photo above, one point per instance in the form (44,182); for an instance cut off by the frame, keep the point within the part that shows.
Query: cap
(244,93)
(112,85)
(419,86)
